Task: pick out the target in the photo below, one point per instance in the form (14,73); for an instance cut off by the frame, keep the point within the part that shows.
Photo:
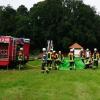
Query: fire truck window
(3,50)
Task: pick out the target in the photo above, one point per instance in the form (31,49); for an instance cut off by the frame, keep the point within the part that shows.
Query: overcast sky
(29,3)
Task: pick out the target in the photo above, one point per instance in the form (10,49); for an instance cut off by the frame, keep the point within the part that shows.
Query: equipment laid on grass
(65,64)
(79,63)
(12,50)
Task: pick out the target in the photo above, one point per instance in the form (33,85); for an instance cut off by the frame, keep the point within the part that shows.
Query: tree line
(63,21)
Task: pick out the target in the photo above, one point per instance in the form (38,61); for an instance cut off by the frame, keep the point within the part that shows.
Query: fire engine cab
(11,48)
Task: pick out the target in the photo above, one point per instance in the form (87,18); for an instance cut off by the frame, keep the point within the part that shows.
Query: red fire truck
(10,48)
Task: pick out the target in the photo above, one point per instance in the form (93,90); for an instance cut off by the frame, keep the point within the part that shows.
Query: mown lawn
(31,84)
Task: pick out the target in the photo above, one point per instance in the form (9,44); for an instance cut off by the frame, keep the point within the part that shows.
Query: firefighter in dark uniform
(88,59)
(82,55)
(53,57)
(88,63)
(71,57)
(44,67)
(59,58)
(49,59)
(95,58)
(55,60)
(20,58)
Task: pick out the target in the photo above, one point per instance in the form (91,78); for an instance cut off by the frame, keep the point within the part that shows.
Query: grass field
(31,84)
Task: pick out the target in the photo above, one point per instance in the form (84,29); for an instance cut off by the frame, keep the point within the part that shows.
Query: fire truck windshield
(3,50)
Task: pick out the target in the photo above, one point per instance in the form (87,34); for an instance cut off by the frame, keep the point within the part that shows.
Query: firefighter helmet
(87,49)
(21,49)
(95,49)
(54,51)
(82,49)
(51,49)
(43,49)
(59,52)
(72,49)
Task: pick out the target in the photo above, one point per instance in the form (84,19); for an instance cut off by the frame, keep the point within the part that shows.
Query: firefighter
(54,59)
(60,56)
(88,59)
(49,60)
(82,55)
(71,57)
(95,58)
(88,53)
(88,63)
(20,58)
(59,59)
(44,67)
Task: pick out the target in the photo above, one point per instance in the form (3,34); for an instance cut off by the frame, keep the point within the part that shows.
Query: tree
(63,21)
(7,20)
(22,22)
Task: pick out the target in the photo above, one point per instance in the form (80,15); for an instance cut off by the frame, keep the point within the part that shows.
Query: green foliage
(7,20)
(63,21)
